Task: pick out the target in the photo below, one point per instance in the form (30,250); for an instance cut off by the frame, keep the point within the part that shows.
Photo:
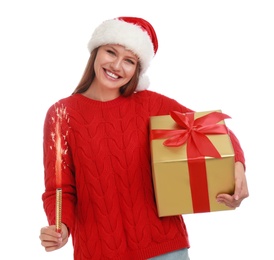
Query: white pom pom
(143,83)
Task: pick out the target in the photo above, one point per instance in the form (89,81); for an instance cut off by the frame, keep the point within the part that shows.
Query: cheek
(96,62)
(130,70)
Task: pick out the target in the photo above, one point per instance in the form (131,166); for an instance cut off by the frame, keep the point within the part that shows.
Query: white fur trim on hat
(129,35)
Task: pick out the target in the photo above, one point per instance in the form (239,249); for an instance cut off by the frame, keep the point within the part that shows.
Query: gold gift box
(171,175)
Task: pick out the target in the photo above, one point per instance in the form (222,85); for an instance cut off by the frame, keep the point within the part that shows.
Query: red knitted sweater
(108,200)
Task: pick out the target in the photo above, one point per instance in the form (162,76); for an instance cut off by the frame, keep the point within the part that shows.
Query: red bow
(193,132)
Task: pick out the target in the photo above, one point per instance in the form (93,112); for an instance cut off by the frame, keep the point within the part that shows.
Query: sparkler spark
(59,142)
(58,163)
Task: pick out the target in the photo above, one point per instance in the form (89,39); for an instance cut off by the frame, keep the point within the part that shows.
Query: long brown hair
(89,75)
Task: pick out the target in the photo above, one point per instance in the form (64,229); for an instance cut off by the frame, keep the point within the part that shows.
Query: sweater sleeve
(68,182)
(239,154)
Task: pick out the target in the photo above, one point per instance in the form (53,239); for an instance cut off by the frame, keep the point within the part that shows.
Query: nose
(116,63)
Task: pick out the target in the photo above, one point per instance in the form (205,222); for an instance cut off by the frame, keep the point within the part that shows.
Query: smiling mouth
(112,75)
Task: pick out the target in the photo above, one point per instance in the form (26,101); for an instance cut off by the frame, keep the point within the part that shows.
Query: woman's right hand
(51,239)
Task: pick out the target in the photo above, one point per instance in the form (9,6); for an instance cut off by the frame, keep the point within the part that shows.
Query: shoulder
(65,102)
(148,94)
(159,103)
(58,106)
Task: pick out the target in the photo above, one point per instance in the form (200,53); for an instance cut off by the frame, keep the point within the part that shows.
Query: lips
(112,75)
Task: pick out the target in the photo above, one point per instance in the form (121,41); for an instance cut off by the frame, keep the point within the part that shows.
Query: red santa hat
(136,34)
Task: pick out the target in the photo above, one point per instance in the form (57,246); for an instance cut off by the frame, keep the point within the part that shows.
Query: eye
(110,52)
(130,61)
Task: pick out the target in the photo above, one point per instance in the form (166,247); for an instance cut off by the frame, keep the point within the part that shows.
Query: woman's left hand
(241,189)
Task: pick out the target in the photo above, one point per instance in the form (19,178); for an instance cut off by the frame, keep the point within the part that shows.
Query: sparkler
(60,115)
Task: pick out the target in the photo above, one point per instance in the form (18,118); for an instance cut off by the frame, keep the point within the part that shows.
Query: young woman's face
(114,66)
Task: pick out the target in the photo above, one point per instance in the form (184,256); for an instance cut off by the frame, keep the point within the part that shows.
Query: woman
(108,203)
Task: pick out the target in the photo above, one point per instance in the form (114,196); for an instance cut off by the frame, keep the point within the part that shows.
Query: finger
(50,248)
(49,243)
(227,200)
(238,190)
(47,237)
(50,230)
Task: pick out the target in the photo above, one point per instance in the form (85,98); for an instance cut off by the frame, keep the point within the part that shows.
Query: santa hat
(136,34)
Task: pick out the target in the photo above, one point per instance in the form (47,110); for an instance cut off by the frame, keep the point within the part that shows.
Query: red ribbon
(192,132)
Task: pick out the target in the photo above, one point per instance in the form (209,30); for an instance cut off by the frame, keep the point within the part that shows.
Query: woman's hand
(241,189)
(52,240)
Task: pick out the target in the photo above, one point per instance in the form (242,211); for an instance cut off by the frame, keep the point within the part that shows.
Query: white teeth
(111,74)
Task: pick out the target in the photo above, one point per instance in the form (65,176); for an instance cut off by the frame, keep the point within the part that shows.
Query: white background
(212,55)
